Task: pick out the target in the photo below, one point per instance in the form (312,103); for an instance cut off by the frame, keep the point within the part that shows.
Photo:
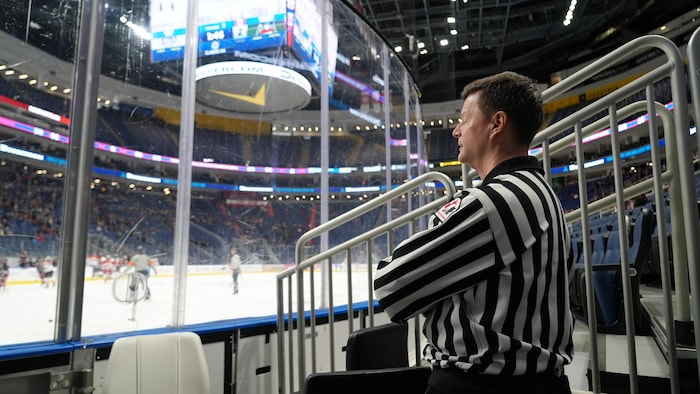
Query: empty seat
(171,363)
(607,277)
(407,380)
(577,283)
(604,281)
(384,346)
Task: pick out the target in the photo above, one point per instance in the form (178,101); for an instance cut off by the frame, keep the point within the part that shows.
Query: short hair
(516,95)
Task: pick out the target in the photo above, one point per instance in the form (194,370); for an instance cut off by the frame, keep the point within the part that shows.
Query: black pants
(453,381)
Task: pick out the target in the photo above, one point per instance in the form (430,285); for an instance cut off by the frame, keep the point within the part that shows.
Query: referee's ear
(498,123)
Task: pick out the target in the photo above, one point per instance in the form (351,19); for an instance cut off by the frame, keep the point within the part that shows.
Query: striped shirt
(490,275)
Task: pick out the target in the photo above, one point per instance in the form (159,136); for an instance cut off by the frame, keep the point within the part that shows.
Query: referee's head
(516,95)
(498,120)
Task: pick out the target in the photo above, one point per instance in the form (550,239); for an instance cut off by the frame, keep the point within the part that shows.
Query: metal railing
(679,174)
(295,276)
(693,51)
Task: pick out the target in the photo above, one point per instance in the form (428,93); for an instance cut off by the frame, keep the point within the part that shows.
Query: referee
(491,273)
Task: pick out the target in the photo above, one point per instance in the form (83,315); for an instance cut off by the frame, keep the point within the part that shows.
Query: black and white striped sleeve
(491,228)
(430,266)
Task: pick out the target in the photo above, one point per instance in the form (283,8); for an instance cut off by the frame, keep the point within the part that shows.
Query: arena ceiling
(527,36)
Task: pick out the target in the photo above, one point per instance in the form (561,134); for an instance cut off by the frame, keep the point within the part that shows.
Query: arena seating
(383,346)
(134,127)
(606,259)
(407,380)
(376,362)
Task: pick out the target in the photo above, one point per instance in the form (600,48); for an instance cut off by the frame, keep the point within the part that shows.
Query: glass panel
(132,207)
(36,78)
(256,161)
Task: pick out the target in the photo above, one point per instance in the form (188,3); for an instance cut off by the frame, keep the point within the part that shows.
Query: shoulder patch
(448,209)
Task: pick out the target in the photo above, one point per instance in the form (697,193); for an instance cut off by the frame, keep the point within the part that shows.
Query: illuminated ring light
(251,87)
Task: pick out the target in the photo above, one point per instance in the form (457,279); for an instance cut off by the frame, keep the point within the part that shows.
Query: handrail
(606,202)
(324,256)
(677,138)
(370,205)
(683,198)
(693,51)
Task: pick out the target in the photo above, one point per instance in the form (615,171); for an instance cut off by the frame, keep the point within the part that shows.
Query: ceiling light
(453,32)
(9,72)
(66,90)
(421,45)
(464,47)
(444,42)
(451,19)
(423,51)
(398,49)
(570,12)
(33,82)
(23,76)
